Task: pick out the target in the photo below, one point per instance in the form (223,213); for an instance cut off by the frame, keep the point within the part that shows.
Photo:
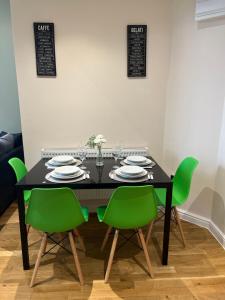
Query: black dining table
(98,179)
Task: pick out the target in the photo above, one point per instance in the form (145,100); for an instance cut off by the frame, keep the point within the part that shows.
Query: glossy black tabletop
(99,177)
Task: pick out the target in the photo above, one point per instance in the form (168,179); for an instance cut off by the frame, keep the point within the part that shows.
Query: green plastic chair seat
(26,195)
(161,198)
(100,212)
(55,210)
(85,213)
(181,183)
(20,171)
(129,207)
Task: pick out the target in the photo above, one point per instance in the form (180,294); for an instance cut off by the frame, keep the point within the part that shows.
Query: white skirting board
(205,223)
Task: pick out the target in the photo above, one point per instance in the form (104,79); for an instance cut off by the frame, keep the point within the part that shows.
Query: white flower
(99,136)
(97,140)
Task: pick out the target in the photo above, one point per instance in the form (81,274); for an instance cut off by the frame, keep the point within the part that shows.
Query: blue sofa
(11,145)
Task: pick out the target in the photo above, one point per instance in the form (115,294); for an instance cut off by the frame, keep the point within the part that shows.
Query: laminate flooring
(194,272)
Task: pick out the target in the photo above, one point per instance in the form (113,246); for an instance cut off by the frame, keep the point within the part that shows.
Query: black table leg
(23,230)
(166,235)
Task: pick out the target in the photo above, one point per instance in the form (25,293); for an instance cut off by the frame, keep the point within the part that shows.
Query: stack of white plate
(131,172)
(66,173)
(62,160)
(136,160)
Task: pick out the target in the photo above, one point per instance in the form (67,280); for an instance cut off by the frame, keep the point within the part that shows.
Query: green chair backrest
(131,207)
(54,210)
(182,179)
(18,167)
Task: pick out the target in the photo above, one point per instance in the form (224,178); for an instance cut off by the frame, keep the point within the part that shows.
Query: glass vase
(99,158)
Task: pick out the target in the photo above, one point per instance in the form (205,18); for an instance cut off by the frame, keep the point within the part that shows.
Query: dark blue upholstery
(7,176)
(2,133)
(6,143)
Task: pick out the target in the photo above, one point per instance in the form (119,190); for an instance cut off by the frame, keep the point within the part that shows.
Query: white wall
(91,93)
(9,103)
(218,201)
(195,99)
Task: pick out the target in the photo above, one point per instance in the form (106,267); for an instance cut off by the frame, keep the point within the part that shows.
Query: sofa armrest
(7,176)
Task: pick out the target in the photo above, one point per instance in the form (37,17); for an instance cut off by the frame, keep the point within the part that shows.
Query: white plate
(131,171)
(76,162)
(63,177)
(51,179)
(136,159)
(67,170)
(113,176)
(147,162)
(62,159)
(120,174)
(57,164)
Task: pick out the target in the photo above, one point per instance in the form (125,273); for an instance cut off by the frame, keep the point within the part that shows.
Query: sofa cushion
(2,133)
(17,137)
(6,143)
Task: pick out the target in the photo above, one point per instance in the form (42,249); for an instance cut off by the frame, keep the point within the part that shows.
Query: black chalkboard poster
(136,50)
(45,49)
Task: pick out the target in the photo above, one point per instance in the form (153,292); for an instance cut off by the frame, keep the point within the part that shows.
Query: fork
(88,174)
(150,174)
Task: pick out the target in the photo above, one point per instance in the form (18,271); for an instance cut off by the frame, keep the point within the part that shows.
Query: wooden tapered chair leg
(179,225)
(28,228)
(106,238)
(75,256)
(149,231)
(138,240)
(145,252)
(174,215)
(80,239)
(111,255)
(41,251)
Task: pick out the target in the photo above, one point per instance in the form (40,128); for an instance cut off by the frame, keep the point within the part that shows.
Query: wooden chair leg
(149,231)
(41,251)
(106,238)
(75,256)
(145,252)
(138,240)
(28,228)
(180,226)
(111,255)
(81,242)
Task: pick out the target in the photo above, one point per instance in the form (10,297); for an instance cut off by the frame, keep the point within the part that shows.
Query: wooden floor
(197,272)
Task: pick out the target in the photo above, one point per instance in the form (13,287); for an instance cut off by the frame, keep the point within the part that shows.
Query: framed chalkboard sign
(136,50)
(45,49)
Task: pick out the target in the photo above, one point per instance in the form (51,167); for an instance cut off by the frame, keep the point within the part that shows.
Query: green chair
(20,171)
(55,210)
(181,188)
(130,207)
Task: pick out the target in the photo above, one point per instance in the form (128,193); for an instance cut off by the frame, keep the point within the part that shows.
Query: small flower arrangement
(96,141)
